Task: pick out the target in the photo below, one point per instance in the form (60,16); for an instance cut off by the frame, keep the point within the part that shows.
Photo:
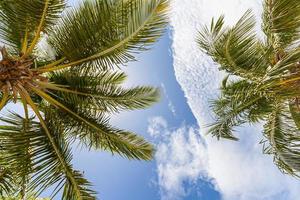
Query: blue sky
(238,170)
(117,178)
(189,165)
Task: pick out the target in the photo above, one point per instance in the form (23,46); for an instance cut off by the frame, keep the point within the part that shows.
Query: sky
(188,165)
(115,177)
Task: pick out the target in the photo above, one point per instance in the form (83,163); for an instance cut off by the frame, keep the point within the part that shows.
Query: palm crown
(62,66)
(264,78)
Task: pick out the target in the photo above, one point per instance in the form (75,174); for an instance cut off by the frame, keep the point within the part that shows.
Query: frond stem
(25,42)
(63,89)
(69,174)
(38,31)
(60,105)
(53,64)
(4,100)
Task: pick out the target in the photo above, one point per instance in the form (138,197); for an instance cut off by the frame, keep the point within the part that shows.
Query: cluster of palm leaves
(61,63)
(263,84)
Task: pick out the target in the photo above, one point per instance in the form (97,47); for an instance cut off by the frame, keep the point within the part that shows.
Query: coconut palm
(61,64)
(263,78)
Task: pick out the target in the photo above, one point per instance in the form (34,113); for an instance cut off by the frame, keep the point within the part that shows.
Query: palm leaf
(281,23)
(42,165)
(100,92)
(22,21)
(236,50)
(93,130)
(266,73)
(284,137)
(109,33)
(62,156)
(70,192)
(240,103)
(7,184)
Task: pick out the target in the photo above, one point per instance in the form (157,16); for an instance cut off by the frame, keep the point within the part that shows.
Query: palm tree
(263,78)
(63,68)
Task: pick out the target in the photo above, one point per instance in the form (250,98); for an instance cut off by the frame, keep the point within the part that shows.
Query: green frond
(70,192)
(236,49)
(209,36)
(5,98)
(107,33)
(7,184)
(283,78)
(19,197)
(124,143)
(295,112)
(20,20)
(41,163)
(239,103)
(283,138)
(101,92)
(90,79)
(17,137)
(93,130)
(287,64)
(281,23)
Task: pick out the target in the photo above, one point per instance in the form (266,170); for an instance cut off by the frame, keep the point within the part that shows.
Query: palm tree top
(263,78)
(62,64)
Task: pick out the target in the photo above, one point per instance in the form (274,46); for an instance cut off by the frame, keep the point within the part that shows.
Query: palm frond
(239,103)
(106,33)
(286,64)
(90,79)
(100,92)
(22,151)
(268,78)
(27,153)
(61,154)
(70,191)
(295,112)
(94,131)
(281,23)
(124,143)
(284,138)
(22,21)
(236,49)
(7,183)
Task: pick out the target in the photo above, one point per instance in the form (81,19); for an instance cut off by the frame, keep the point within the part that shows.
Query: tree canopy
(263,78)
(63,65)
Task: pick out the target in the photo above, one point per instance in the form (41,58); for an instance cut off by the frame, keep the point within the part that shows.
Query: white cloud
(180,157)
(170,103)
(158,124)
(239,169)
(242,172)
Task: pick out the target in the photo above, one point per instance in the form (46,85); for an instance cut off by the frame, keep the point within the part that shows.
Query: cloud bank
(239,170)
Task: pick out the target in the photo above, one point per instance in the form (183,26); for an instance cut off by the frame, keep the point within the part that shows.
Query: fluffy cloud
(157,125)
(180,157)
(242,172)
(239,169)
